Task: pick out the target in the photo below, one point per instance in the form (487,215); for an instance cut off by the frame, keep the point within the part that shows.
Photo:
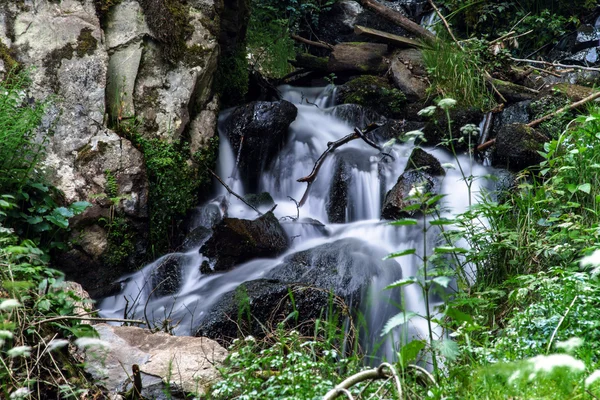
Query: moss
(548,104)
(207,158)
(232,77)
(86,45)
(169,21)
(87,153)
(7,56)
(102,9)
(121,238)
(195,56)
(376,93)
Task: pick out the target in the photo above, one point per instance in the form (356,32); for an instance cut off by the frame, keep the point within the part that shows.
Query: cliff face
(107,63)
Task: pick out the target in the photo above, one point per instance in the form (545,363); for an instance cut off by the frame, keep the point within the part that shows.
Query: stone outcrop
(235,241)
(171,367)
(103,65)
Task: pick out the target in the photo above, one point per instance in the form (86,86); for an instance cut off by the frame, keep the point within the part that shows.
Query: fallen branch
(566,108)
(218,178)
(370,374)
(323,45)
(398,19)
(546,117)
(63,317)
(555,64)
(331,146)
(439,14)
(387,38)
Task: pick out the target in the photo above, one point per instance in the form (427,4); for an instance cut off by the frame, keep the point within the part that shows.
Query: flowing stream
(370,177)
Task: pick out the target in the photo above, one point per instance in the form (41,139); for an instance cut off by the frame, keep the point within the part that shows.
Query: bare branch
(218,178)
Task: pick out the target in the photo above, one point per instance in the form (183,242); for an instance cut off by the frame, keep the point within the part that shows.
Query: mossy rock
(549,104)
(373,92)
(436,129)
(517,147)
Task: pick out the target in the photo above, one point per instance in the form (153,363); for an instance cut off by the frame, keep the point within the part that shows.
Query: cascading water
(369,177)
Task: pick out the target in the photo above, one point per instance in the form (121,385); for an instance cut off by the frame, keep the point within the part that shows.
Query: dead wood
(321,44)
(398,19)
(385,37)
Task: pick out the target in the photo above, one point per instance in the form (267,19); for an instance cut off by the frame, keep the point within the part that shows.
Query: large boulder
(257,131)
(303,282)
(517,147)
(409,74)
(172,367)
(373,92)
(358,57)
(436,128)
(422,171)
(235,241)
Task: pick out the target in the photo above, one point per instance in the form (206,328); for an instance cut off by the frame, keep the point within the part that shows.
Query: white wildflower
(19,351)
(592,259)
(414,134)
(9,304)
(20,393)
(590,380)
(548,363)
(57,344)
(570,345)
(448,166)
(250,339)
(427,111)
(447,103)
(86,343)
(6,334)
(470,129)
(416,191)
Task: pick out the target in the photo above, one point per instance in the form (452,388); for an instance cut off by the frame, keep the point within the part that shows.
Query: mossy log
(310,62)
(385,37)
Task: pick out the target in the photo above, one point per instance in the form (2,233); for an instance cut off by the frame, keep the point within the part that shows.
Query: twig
(437,11)
(217,177)
(563,109)
(560,323)
(371,374)
(357,134)
(321,44)
(63,317)
(555,64)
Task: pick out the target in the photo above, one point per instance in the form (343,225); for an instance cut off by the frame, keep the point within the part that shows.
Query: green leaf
(62,211)
(442,221)
(402,282)
(458,315)
(397,320)
(571,188)
(5,204)
(585,187)
(434,199)
(34,220)
(405,222)
(400,254)
(409,352)
(39,186)
(447,348)
(79,207)
(443,281)
(449,249)
(58,221)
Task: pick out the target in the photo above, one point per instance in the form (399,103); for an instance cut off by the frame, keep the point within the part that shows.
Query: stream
(371,176)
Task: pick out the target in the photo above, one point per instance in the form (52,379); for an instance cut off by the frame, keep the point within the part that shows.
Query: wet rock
(172,367)
(356,115)
(394,129)
(517,147)
(304,227)
(235,241)
(582,47)
(515,113)
(196,238)
(436,128)
(337,203)
(344,268)
(409,74)
(264,300)
(166,278)
(259,200)
(264,129)
(422,172)
(358,57)
(420,160)
(373,92)
(207,215)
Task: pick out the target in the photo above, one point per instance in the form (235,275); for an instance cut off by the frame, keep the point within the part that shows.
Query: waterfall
(370,176)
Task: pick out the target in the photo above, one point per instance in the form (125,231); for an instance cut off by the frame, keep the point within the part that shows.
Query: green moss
(87,153)
(376,93)
(121,238)
(86,45)
(232,77)
(546,105)
(169,22)
(6,55)
(102,9)
(195,56)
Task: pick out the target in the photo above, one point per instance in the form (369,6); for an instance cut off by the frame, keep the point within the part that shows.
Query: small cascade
(353,182)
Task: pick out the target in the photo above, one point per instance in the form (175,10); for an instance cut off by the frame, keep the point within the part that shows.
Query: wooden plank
(385,37)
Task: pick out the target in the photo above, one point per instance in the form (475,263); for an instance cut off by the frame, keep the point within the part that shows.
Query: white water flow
(370,177)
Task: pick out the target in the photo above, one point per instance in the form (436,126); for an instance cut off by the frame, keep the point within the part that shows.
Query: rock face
(188,364)
(235,241)
(344,268)
(104,63)
(257,131)
(422,171)
(517,147)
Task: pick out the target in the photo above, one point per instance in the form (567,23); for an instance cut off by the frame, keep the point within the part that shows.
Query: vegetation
(34,301)
(376,93)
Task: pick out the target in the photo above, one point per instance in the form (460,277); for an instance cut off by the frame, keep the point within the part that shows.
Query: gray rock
(408,74)
(517,147)
(171,367)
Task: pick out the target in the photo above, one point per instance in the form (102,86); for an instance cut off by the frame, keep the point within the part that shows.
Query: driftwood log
(398,19)
(331,146)
(387,38)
